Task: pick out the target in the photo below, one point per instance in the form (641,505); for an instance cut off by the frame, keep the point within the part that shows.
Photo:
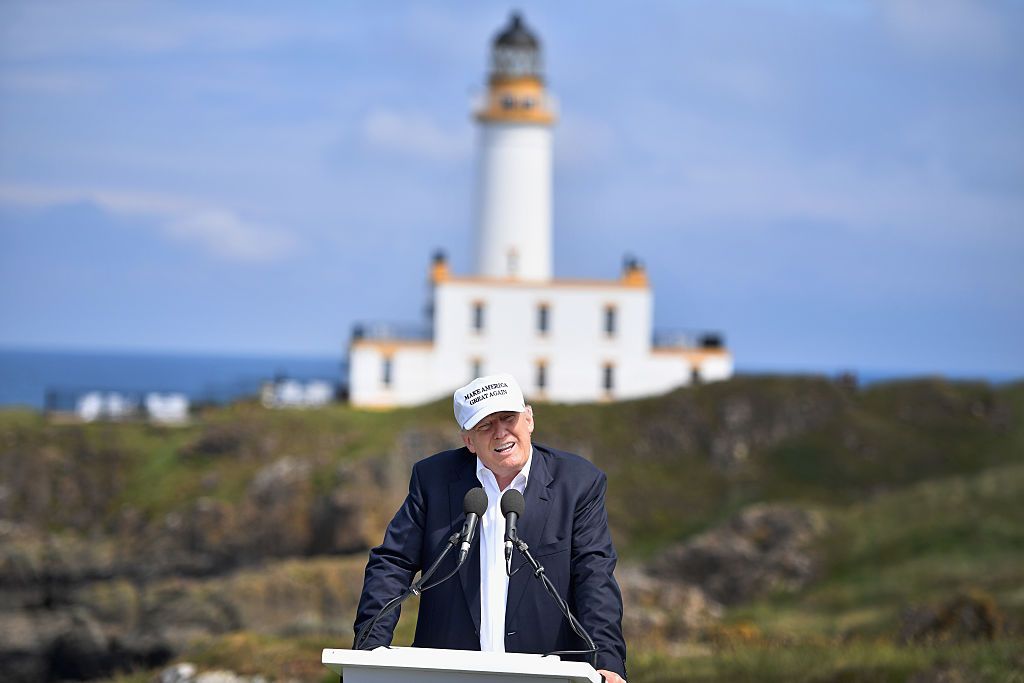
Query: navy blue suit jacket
(566,527)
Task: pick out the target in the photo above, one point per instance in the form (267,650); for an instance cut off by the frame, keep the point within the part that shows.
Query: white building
(290,393)
(167,408)
(564,340)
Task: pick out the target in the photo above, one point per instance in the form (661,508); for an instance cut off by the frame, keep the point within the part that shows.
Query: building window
(543,318)
(608,381)
(609,320)
(476,368)
(542,375)
(478,316)
(386,372)
(508,102)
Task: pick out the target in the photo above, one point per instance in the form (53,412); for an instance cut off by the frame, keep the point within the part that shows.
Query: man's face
(502,441)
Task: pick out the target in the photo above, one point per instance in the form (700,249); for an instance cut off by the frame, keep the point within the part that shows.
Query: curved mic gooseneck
(513,501)
(474,505)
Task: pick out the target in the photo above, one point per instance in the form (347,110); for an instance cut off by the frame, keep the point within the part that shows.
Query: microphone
(474,505)
(512,506)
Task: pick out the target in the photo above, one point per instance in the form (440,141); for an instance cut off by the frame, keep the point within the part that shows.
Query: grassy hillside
(914,546)
(920,485)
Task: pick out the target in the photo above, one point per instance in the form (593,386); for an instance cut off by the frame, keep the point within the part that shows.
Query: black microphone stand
(416,588)
(538,571)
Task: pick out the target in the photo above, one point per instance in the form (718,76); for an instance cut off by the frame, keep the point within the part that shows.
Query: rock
(26,641)
(82,651)
(220,676)
(338,523)
(969,616)
(943,674)
(275,514)
(185,672)
(765,548)
(272,483)
(217,440)
(182,611)
(663,612)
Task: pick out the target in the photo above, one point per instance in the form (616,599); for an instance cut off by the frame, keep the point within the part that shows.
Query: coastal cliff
(747,513)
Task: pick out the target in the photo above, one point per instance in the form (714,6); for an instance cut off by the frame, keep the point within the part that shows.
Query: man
(564,524)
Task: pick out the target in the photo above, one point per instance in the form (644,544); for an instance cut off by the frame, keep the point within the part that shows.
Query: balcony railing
(687,339)
(392,331)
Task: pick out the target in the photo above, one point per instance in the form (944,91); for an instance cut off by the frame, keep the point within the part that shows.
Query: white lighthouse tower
(566,340)
(513,203)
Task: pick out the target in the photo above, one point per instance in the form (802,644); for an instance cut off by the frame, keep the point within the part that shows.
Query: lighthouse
(565,340)
(513,200)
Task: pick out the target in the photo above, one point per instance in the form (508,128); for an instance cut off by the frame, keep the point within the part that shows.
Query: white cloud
(738,187)
(945,27)
(217,231)
(224,234)
(917,204)
(416,135)
(48,81)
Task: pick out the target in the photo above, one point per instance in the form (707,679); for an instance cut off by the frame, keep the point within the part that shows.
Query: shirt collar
(519,481)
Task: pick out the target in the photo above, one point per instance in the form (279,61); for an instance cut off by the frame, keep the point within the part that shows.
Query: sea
(38,379)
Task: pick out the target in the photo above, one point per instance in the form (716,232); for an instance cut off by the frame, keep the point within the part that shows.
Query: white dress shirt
(493,580)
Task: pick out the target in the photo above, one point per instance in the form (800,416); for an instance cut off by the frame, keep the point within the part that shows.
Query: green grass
(664,483)
(823,661)
(829,661)
(921,482)
(918,545)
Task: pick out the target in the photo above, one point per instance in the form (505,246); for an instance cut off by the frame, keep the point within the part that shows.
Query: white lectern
(425,665)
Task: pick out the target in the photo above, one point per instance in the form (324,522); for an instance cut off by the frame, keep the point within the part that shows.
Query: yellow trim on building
(515,282)
(439,272)
(693,356)
(635,277)
(520,90)
(388,347)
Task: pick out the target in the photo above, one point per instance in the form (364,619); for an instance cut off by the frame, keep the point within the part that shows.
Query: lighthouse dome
(517,35)
(516,51)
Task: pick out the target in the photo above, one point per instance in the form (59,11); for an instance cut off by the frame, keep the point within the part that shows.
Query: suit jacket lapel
(531,526)
(469,575)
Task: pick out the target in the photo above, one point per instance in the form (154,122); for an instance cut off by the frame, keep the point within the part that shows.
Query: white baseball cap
(486,395)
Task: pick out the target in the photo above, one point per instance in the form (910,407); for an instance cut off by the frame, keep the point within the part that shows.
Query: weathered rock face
(71,644)
(945,674)
(733,427)
(766,548)
(663,612)
(93,569)
(968,616)
(102,627)
(189,673)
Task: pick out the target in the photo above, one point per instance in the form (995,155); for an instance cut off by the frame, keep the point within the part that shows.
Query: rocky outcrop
(122,543)
(663,612)
(730,427)
(102,627)
(187,672)
(764,549)
(968,616)
(945,673)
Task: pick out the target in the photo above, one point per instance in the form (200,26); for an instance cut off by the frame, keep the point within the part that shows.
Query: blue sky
(831,184)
